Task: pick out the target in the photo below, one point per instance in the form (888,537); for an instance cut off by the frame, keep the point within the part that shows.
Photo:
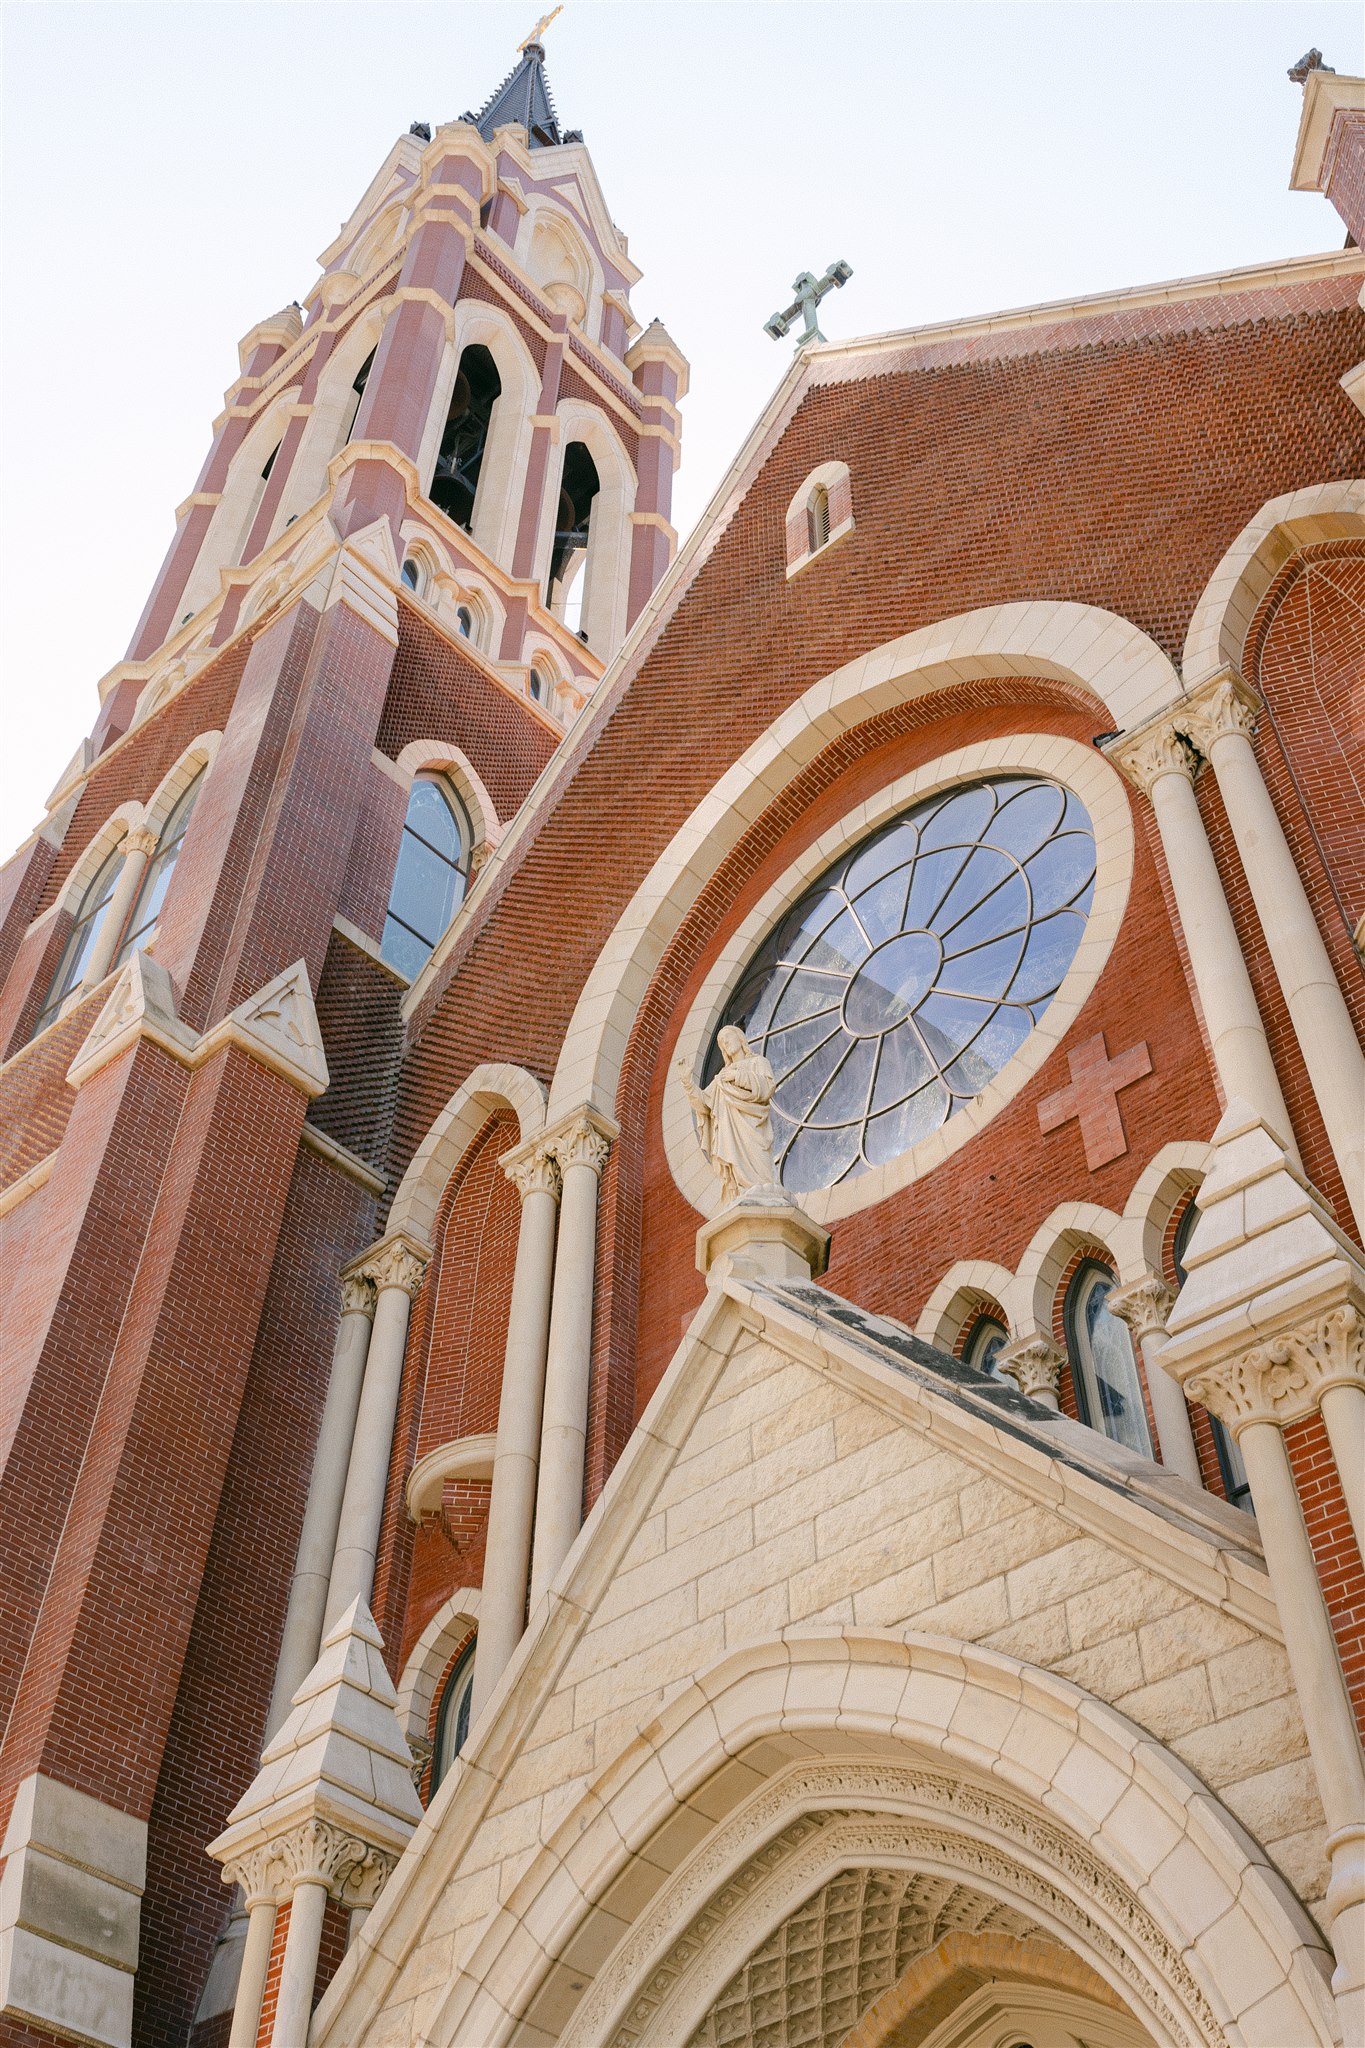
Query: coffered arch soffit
(902,1752)
(1125,672)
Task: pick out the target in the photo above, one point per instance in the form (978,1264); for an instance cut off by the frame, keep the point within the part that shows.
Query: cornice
(1325,95)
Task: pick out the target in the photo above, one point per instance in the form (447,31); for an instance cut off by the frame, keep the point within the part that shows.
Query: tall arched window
(432,874)
(358,391)
(986,1339)
(1108,1390)
(578,488)
(90,915)
(151,893)
(817,517)
(455,484)
(452,1718)
(1235,1483)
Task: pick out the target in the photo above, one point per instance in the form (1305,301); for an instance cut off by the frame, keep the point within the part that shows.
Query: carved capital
(1033,1363)
(422,1753)
(1284,1380)
(1151,752)
(581,1142)
(534,1173)
(314,1852)
(141,840)
(397,1264)
(1224,704)
(1144,1305)
(357,1295)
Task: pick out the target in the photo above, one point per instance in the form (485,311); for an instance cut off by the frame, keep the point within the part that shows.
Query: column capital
(1150,751)
(1224,705)
(397,1261)
(1033,1363)
(316,1851)
(1143,1304)
(533,1168)
(141,839)
(1284,1381)
(582,1138)
(357,1295)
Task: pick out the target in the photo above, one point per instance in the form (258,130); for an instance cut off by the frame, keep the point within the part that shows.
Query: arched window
(157,880)
(1235,1483)
(90,915)
(455,484)
(578,488)
(986,1339)
(452,1718)
(540,689)
(432,874)
(358,390)
(412,574)
(464,619)
(817,517)
(1108,1390)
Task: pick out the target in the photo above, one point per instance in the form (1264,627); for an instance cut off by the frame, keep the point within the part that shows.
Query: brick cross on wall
(1093,1097)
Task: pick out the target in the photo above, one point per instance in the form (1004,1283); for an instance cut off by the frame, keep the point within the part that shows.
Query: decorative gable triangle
(279,1027)
(141,1004)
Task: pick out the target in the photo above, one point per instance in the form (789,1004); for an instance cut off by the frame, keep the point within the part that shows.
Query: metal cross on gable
(809,292)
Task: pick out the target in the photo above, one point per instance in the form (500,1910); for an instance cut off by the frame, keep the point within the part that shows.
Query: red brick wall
(1334,1547)
(985,1202)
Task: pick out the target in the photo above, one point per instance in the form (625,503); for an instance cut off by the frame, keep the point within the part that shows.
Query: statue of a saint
(733,1124)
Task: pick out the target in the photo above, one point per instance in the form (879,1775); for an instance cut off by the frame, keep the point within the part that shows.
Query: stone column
(138,847)
(1161,765)
(1144,1306)
(1328,1718)
(302,1946)
(1220,719)
(303,1620)
(1035,1365)
(396,1268)
(511,1509)
(580,1147)
(259,1900)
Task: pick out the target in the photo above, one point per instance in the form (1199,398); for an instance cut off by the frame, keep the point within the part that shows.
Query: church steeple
(525,97)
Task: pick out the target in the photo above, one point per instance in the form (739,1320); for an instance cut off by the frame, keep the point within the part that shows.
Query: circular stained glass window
(902,981)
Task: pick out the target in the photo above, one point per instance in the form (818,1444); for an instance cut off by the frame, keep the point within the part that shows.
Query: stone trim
(1220,620)
(491,1087)
(467,1457)
(1285,1380)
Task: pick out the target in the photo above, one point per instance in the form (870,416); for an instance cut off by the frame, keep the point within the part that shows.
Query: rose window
(904,979)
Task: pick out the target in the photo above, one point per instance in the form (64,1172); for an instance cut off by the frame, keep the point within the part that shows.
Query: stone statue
(733,1125)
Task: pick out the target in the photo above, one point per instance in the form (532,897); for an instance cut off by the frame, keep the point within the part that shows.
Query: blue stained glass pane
(984,873)
(1025,820)
(896,1130)
(817,1157)
(905,1066)
(890,849)
(840,947)
(881,909)
(845,1099)
(961,818)
(431,815)
(933,877)
(1051,950)
(884,1012)
(799,1086)
(423,890)
(403,950)
(986,970)
(1060,871)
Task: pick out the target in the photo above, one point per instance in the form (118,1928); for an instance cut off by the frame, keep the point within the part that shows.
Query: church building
(681,1229)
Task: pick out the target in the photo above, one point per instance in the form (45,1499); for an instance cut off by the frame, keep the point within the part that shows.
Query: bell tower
(435,501)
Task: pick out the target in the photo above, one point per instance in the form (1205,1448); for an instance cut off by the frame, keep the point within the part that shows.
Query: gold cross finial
(538,31)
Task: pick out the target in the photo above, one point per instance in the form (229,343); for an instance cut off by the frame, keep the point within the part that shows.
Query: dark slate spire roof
(524,96)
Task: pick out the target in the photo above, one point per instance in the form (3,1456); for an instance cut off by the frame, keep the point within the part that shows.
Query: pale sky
(171,172)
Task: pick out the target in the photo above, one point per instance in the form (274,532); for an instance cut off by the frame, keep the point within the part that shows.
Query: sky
(170,172)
